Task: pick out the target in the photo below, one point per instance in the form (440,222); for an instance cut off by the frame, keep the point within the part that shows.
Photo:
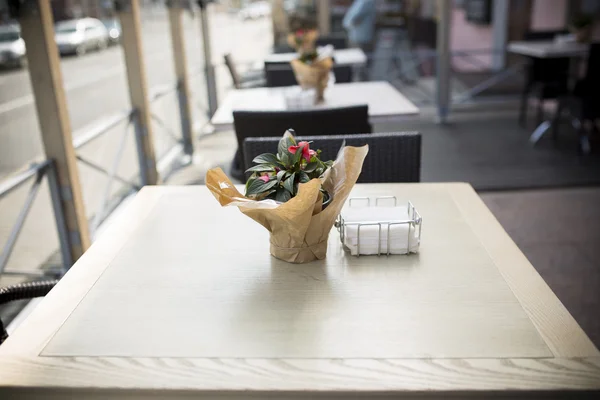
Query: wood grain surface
(171,303)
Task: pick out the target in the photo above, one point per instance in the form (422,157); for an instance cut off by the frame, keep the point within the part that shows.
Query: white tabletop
(353,56)
(181,299)
(386,103)
(548,49)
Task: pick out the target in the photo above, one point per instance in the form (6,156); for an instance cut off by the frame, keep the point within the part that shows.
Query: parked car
(12,47)
(113,26)
(81,35)
(255,10)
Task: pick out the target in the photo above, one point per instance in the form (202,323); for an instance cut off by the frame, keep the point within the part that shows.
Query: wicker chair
(346,120)
(280,74)
(250,79)
(337,41)
(393,157)
(23,291)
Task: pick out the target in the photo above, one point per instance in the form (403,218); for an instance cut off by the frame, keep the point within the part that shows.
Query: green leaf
(261,168)
(289,184)
(266,158)
(310,167)
(280,175)
(282,195)
(286,141)
(258,186)
(284,158)
(249,182)
(304,177)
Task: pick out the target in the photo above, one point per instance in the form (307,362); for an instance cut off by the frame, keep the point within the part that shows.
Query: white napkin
(372,239)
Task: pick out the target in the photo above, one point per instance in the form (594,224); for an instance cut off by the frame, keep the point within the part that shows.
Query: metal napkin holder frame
(414,222)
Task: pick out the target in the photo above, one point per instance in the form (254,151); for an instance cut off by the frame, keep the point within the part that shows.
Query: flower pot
(327,199)
(315,75)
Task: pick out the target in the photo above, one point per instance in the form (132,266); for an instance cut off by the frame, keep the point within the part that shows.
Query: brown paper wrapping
(299,228)
(315,75)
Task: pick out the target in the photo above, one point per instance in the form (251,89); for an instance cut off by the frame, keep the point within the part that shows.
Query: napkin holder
(413,222)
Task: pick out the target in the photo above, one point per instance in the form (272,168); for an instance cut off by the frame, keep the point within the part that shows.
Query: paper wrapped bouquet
(299,227)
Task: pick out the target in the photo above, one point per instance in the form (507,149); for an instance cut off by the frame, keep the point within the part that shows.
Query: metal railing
(95,133)
(169,161)
(36,172)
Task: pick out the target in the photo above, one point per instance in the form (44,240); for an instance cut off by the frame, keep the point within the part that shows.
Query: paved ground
(95,86)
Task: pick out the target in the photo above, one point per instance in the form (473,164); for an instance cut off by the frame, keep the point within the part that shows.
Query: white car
(12,46)
(78,36)
(259,9)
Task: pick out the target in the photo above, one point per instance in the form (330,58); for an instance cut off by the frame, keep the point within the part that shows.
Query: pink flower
(264,178)
(307,153)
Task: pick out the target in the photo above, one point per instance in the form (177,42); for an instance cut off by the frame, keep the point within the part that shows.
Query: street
(96,87)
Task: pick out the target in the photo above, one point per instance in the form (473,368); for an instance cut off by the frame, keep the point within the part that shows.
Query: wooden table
(386,104)
(548,49)
(180,298)
(351,57)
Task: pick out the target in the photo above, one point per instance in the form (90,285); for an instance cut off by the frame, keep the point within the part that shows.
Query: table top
(385,102)
(352,56)
(181,296)
(548,49)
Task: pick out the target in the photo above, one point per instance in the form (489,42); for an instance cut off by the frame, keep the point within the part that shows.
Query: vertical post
(59,217)
(280,23)
(176,8)
(37,27)
(324,16)
(443,60)
(128,12)
(499,33)
(209,69)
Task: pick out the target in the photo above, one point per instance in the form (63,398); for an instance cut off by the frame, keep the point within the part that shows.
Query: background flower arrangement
(311,69)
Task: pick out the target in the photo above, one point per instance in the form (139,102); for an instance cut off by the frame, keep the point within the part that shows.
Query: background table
(352,57)
(386,104)
(548,49)
(181,296)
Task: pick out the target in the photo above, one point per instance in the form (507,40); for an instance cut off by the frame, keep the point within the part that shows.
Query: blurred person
(359,22)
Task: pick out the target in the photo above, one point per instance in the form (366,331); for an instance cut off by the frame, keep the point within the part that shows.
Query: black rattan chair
(393,157)
(22,291)
(346,120)
(278,74)
(337,41)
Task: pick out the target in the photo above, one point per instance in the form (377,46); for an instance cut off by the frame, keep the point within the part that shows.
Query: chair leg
(584,137)
(556,119)
(540,111)
(523,110)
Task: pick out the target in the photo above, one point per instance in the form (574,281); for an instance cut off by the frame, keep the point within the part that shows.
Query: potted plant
(277,176)
(286,192)
(581,27)
(311,70)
